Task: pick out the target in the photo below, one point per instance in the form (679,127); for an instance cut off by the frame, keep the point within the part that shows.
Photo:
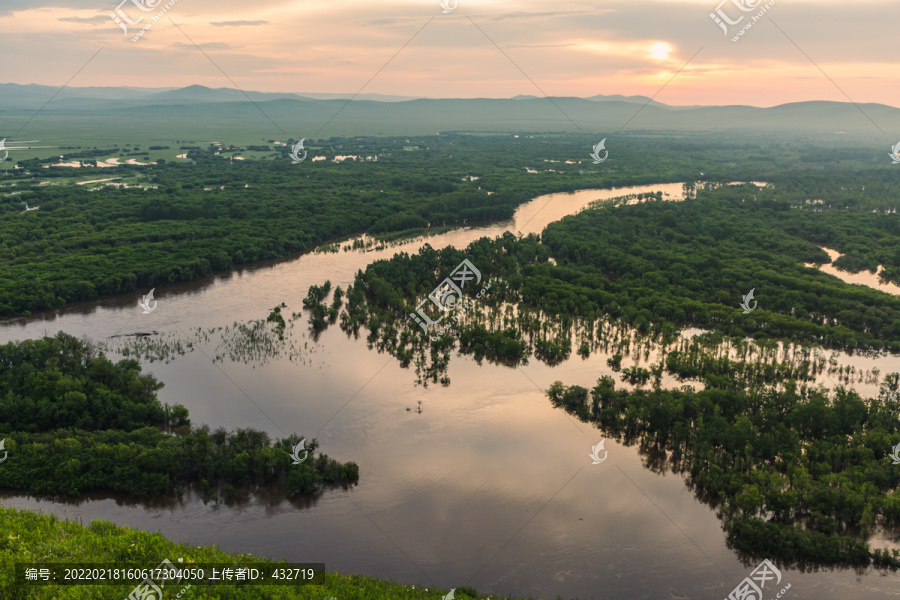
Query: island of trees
(75,422)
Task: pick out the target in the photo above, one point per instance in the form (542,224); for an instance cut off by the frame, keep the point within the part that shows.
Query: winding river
(486,485)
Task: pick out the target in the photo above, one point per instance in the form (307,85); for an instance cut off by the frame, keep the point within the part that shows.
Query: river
(488,486)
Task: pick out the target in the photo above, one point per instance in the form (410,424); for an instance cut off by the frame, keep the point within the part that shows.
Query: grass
(28,537)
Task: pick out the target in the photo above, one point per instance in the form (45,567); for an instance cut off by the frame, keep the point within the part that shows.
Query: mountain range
(368,114)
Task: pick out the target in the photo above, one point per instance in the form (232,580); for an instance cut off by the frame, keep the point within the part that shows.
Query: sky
(668,49)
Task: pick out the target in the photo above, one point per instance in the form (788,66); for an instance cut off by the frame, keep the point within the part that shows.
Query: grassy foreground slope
(29,537)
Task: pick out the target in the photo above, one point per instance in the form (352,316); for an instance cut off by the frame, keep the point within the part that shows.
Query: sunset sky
(566,47)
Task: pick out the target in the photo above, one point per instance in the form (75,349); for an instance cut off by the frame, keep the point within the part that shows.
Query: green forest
(75,422)
(185,219)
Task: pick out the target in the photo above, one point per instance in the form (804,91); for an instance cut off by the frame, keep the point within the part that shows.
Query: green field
(27,537)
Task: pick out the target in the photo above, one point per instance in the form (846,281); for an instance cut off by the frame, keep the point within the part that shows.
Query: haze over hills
(195,108)
(13,95)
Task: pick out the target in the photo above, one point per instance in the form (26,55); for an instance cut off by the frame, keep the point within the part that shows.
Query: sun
(660,50)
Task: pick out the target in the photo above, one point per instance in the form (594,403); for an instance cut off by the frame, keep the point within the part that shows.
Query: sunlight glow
(660,50)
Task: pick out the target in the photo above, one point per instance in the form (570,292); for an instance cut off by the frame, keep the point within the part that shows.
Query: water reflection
(275,499)
(866,278)
(552,342)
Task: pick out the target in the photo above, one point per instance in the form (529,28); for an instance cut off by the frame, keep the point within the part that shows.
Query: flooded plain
(484,483)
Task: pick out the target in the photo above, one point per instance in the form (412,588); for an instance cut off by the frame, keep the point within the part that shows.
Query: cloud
(237,23)
(97,19)
(206,46)
(390,21)
(531,16)
(23,5)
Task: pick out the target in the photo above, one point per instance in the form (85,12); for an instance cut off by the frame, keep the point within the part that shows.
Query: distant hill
(193,108)
(634,99)
(376,97)
(15,95)
(200,94)
(10,92)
